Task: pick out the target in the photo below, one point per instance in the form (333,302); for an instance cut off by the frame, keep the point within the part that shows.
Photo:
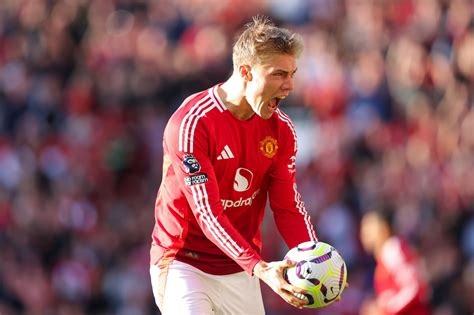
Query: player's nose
(288,85)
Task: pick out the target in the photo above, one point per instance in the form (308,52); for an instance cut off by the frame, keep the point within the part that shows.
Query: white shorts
(182,289)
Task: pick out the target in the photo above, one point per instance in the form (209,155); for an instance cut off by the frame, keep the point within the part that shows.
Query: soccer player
(400,285)
(226,150)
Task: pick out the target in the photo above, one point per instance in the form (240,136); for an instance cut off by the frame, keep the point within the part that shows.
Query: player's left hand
(272,274)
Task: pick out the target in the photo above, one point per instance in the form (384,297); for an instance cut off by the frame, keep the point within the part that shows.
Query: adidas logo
(225,154)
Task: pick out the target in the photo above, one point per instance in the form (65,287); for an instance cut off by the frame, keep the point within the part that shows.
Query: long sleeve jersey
(218,172)
(399,280)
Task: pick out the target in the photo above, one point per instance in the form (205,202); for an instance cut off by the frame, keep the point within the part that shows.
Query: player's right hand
(273,275)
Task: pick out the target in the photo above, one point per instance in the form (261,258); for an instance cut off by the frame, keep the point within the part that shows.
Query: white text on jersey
(241,202)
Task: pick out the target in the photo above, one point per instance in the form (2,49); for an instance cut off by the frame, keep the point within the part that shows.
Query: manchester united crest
(269,147)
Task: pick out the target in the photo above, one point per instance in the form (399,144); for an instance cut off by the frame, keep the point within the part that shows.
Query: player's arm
(291,217)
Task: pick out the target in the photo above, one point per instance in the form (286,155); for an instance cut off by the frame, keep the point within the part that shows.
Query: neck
(232,93)
(379,246)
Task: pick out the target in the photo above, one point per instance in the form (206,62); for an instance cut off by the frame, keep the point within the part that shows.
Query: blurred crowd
(86,88)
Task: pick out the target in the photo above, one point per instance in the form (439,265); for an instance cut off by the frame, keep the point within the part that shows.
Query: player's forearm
(223,234)
(291,218)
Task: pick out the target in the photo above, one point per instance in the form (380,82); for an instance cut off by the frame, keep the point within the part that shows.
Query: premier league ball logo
(191,165)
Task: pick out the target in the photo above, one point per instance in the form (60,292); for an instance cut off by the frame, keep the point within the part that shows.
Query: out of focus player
(226,151)
(399,279)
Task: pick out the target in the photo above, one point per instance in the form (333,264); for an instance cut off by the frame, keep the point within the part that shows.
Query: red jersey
(218,172)
(400,284)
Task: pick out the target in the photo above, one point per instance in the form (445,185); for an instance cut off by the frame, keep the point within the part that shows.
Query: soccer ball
(319,270)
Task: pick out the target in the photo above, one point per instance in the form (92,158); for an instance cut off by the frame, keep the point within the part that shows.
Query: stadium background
(383,105)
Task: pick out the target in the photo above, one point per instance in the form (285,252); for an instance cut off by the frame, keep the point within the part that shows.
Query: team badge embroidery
(191,165)
(269,147)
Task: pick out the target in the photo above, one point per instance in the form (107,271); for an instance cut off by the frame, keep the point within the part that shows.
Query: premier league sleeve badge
(191,165)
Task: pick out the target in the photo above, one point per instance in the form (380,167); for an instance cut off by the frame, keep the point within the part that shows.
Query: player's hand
(272,274)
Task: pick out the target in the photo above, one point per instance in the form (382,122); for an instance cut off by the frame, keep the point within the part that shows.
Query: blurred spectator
(399,279)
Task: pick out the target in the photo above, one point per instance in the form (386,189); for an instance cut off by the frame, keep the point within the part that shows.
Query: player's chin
(267,112)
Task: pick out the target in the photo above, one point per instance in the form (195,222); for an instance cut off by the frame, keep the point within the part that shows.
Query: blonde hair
(261,39)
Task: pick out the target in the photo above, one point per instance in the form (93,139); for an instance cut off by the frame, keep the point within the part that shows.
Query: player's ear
(245,72)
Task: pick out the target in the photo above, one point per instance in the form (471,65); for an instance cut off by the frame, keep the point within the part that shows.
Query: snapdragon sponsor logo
(242,202)
(243,179)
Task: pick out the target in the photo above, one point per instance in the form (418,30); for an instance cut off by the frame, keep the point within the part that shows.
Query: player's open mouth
(274,102)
